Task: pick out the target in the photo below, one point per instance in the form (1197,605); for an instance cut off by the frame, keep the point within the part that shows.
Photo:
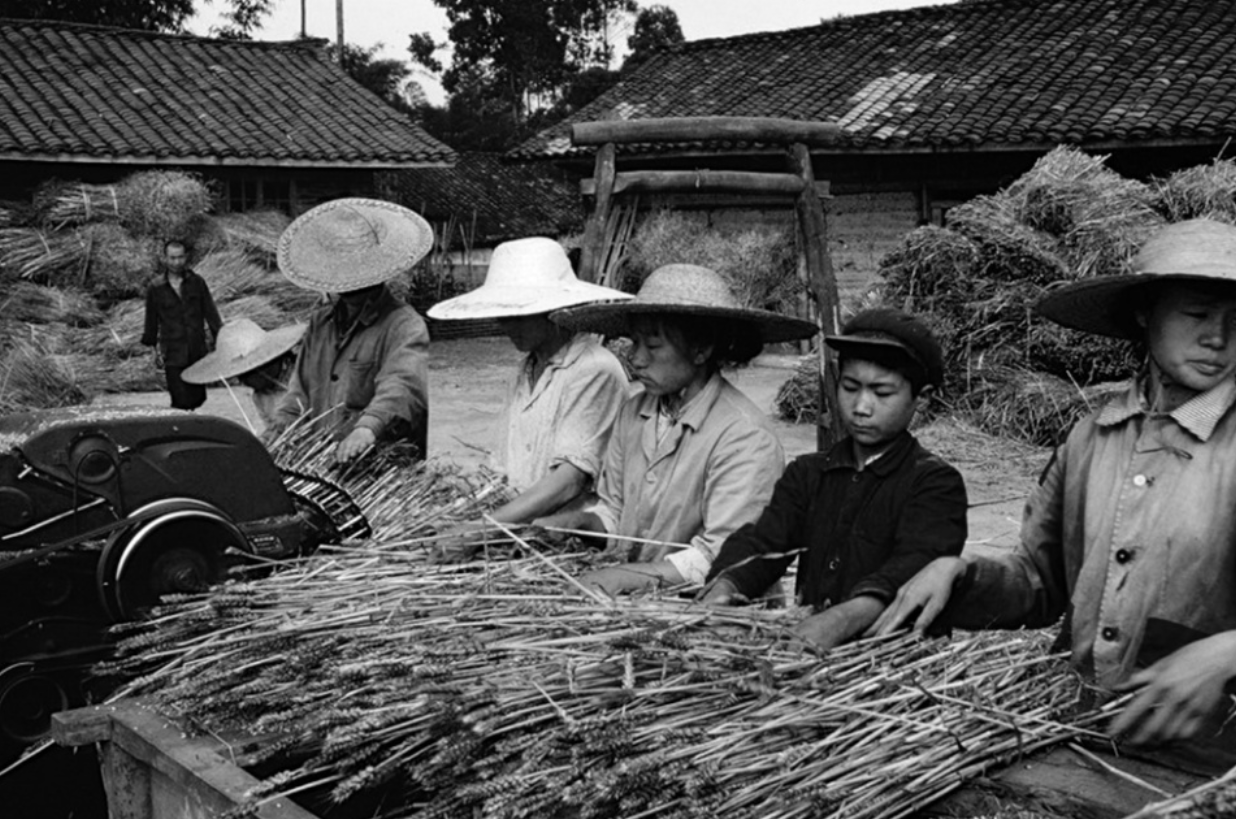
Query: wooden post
(813,228)
(593,251)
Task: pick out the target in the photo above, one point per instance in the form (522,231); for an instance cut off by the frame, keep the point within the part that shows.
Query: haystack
(119,266)
(1203,191)
(162,204)
(25,301)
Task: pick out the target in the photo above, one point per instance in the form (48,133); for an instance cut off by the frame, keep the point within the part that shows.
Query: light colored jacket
(1132,530)
(713,472)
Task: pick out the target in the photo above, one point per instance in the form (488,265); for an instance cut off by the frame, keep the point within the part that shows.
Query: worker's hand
(723,592)
(1178,694)
(631,577)
(925,594)
(358,442)
(821,631)
(459,543)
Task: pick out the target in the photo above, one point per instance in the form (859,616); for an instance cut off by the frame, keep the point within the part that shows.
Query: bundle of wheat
(1203,191)
(503,689)
(256,231)
(38,304)
(119,265)
(163,204)
(43,256)
(74,203)
(231,273)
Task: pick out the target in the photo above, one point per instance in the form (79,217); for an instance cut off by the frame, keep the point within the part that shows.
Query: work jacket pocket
(360,384)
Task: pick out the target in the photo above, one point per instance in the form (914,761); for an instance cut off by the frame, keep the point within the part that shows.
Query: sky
(389,22)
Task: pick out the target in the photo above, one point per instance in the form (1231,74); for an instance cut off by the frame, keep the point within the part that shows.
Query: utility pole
(339,28)
(304,29)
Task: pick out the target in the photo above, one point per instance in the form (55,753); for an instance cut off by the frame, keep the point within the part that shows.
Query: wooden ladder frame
(797,183)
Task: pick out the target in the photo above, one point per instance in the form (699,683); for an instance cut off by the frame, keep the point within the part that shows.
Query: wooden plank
(186,774)
(703,129)
(126,783)
(758,184)
(593,249)
(813,229)
(81,726)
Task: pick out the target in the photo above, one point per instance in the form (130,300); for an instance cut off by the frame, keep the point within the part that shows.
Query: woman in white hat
(362,371)
(259,359)
(1131,533)
(563,400)
(691,459)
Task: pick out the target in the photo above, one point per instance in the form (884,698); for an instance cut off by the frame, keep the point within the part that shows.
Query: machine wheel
(28,698)
(176,546)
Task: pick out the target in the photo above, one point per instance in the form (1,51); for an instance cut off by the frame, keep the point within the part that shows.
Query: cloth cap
(242,346)
(1196,251)
(350,244)
(884,329)
(685,290)
(526,277)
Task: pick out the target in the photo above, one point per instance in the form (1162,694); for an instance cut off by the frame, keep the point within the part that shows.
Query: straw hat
(1198,251)
(525,277)
(350,244)
(686,290)
(242,346)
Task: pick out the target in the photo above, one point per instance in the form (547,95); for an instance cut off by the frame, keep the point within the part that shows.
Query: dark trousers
(184,396)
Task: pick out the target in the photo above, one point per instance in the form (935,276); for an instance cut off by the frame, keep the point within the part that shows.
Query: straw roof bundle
(1207,191)
(42,256)
(163,204)
(500,689)
(35,303)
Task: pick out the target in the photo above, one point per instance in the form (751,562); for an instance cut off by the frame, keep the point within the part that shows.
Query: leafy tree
(148,15)
(655,27)
(383,77)
(243,19)
(524,51)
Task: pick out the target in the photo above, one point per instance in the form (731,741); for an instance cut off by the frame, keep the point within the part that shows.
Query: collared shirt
(854,531)
(373,374)
(566,416)
(712,473)
(1132,530)
(177,322)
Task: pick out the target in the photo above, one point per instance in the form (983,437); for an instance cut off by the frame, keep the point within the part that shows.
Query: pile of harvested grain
(163,204)
(118,265)
(33,303)
(798,399)
(1203,191)
(503,689)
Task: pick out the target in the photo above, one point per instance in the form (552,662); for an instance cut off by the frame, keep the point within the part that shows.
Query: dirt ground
(467,379)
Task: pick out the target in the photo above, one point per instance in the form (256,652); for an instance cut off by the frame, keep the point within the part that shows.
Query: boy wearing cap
(863,517)
(1131,533)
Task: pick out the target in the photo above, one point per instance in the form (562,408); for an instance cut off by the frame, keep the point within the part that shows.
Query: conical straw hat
(242,346)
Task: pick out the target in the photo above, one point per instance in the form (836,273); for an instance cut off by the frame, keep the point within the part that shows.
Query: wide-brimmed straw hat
(242,346)
(1197,251)
(526,277)
(685,290)
(350,244)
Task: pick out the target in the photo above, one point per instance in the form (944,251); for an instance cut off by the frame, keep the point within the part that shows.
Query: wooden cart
(152,770)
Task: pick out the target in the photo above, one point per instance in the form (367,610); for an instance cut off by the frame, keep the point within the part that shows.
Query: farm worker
(865,516)
(362,370)
(258,359)
(1131,533)
(179,310)
(691,459)
(562,401)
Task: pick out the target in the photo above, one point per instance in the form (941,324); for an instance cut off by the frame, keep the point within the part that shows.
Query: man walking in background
(179,308)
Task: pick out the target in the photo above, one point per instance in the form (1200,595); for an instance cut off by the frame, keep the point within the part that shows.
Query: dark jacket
(855,532)
(177,323)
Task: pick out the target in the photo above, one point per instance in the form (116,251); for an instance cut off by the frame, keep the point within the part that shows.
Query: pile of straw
(1207,801)
(43,256)
(33,303)
(502,689)
(798,399)
(62,204)
(119,265)
(255,232)
(163,204)
(1203,191)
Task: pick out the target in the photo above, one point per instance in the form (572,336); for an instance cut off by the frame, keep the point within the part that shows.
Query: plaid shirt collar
(1199,415)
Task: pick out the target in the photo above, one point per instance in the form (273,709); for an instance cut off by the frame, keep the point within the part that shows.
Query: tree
(383,77)
(525,51)
(243,19)
(655,27)
(148,15)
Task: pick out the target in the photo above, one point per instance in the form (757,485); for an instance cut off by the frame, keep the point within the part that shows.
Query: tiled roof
(491,200)
(85,92)
(992,74)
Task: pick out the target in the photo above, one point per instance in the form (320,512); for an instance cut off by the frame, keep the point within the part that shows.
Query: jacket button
(833,564)
(1123,555)
(1139,480)
(1110,633)
(334,377)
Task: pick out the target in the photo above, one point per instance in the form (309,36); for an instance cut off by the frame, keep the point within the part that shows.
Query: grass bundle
(1032,406)
(500,689)
(25,301)
(42,256)
(1203,191)
(256,232)
(76,203)
(261,310)
(120,266)
(34,374)
(163,204)
(759,264)
(798,399)
(231,273)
